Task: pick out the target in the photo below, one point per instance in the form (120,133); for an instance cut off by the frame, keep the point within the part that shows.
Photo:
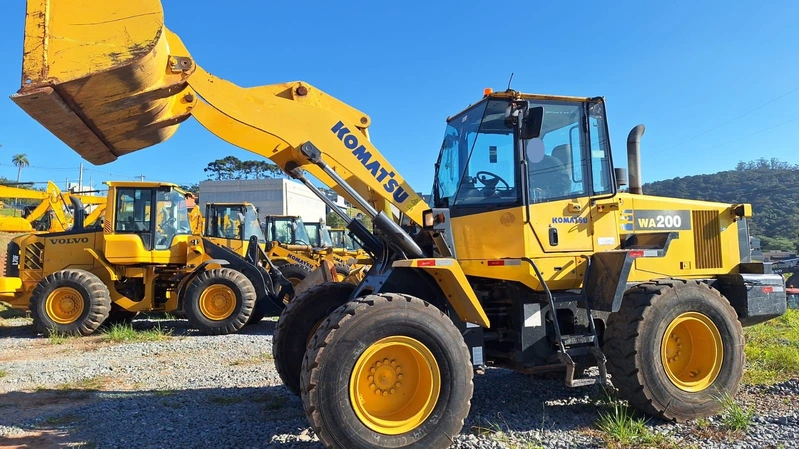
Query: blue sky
(681,68)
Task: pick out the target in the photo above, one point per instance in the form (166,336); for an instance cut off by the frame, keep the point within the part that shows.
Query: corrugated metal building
(269,196)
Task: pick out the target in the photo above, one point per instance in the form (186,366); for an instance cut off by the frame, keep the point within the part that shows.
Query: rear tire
(396,335)
(297,324)
(342,271)
(695,329)
(70,302)
(295,273)
(219,301)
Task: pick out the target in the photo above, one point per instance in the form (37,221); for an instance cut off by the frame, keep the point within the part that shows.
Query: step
(577,339)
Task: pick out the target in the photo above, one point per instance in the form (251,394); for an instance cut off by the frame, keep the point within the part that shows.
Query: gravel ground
(192,391)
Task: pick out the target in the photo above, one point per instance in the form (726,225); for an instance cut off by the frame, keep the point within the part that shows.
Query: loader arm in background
(135,89)
(51,199)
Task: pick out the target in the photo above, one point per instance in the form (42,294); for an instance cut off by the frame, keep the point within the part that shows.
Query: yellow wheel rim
(64,305)
(294,281)
(395,385)
(692,352)
(217,302)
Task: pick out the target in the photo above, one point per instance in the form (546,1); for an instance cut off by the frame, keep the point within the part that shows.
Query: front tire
(70,302)
(297,324)
(674,349)
(219,301)
(387,370)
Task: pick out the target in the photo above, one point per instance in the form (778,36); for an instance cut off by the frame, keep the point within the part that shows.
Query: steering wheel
(490,180)
(169,226)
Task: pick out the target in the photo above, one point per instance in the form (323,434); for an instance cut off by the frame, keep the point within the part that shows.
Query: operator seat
(548,178)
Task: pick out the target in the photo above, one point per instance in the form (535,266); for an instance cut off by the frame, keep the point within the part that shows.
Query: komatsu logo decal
(300,261)
(71,240)
(575,220)
(374,166)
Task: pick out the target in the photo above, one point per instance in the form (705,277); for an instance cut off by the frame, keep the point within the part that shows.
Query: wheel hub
(692,351)
(217,302)
(395,385)
(64,305)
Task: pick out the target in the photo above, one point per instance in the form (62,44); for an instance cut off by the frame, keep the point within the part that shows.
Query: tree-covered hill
(771,186)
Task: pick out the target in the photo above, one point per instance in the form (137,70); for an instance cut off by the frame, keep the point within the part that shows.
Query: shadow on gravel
(509,401)
(220,417)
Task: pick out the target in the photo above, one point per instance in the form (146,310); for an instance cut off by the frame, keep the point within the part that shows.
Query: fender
(450,278)
(196,272)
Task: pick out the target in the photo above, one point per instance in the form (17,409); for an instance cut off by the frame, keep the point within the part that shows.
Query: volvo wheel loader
(529,258)
(143,258)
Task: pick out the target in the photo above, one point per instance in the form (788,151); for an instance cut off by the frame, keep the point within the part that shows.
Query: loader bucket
(97,74)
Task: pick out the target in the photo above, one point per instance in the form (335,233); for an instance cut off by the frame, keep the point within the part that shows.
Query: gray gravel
(193,391)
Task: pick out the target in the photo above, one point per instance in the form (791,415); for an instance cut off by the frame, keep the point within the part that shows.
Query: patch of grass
(734,417)
(265,357)
(88,384)
(125,333)
(621,428)
(772,350)
(164,392)
(496,432)
(3,373)
(226,400)
(58,338)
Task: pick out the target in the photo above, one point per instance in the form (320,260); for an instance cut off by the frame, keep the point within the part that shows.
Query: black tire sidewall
(294,271)
(358,335)
(690,298)
(49,286)
(191,303)
(296,322)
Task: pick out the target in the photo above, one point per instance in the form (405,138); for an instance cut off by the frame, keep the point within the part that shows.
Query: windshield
(319,234)
(477,159)
(288,230)
(233,221)
(341,239)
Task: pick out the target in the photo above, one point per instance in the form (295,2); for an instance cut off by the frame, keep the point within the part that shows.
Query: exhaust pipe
(634,159)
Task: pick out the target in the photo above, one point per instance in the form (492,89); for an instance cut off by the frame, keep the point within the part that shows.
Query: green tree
(20,161)
(334,221)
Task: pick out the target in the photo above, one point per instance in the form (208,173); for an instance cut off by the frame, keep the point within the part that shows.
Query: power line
(727,122)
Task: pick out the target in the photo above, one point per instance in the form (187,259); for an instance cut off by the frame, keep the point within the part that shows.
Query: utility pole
(141,178)
(80,178)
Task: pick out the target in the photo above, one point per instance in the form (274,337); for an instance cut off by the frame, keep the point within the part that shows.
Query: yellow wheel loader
(143,258)
(51,214)
(529,258)
(289,240)
(236,226)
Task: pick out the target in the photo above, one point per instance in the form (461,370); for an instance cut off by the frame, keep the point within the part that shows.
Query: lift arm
(109,79)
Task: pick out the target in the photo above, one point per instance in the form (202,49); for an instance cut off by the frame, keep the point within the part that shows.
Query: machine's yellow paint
(9,287)
(692,351)
(64,305)
(217,302)
(395,385)
(451,279)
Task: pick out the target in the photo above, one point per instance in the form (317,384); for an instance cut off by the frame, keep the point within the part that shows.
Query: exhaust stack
(634,159)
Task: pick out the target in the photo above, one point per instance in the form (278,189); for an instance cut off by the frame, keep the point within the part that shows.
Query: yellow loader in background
(143,258)
(529,258)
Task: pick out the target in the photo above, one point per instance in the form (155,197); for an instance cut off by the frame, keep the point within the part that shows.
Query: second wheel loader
(529,258)
(144,258)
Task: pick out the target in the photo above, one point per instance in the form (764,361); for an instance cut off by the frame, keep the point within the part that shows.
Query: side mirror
(533,119)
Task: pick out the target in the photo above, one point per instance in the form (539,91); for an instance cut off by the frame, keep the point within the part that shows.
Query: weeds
(620,428)
(3,373)
(734,417)
(58,338)
(88,384)
(506,438)
(125,333)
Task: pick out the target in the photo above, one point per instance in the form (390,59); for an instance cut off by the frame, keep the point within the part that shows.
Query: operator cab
(509,150)
(286,230)
(233,221)
(155,214)
(319,234)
